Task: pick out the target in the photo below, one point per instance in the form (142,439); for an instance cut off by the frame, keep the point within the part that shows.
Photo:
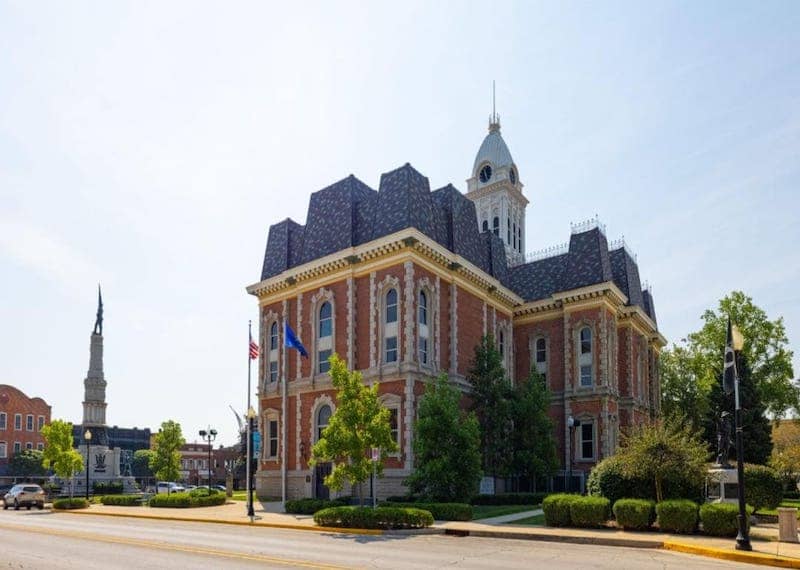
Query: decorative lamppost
(209,436)
(87,436)
(736,342)
(251,414)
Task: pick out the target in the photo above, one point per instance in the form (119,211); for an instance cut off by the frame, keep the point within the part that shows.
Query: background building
(21,422)
(402,282)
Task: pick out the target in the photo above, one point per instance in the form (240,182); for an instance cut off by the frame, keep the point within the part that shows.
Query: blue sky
(149,146)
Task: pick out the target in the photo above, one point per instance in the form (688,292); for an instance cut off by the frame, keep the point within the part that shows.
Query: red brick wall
(552,329)
(470,328)
(12,402)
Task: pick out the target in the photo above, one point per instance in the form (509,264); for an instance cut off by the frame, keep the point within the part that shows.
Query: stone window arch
(586,438)
(393,403)
(496,225)
(389,309)
(426,311)
(485,226)
(270,428)
(324,315)
(585,352)
(272,352)
(539,355)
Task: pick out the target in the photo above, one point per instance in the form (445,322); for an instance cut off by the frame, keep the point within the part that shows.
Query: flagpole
(284,436)
(250,511)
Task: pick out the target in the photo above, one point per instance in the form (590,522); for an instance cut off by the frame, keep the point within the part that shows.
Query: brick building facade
(21,422)
(402,282)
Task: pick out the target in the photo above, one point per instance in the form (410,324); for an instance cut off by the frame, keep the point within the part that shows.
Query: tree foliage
(59,455)
(359,423)
(492,405)
(447,459)
(684,385)
(534,447)
(785,457)
(165,460)
(27,462)
(661,451)
(141,463)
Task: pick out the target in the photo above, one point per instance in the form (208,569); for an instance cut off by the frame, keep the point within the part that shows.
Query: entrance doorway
(321,471)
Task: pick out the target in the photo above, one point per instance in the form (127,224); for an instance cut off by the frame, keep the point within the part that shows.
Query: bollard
(787,524)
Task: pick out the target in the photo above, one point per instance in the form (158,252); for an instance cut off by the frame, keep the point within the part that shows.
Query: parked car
(25,495)
(188,488)
(168,487)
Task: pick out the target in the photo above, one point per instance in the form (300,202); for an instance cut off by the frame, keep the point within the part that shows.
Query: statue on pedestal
(723,438)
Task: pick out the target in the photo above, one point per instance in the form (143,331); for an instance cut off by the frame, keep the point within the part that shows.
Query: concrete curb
(364,531)
(733,555)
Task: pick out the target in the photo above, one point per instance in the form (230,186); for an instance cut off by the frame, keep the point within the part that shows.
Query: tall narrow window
(394,415)
(485,226)
(519,238)
(3,420)
(587,440)
(273,438)
(501,344)
(508,231)
(29,422)
(496,226)
(390,327)
(422,319)
(17,447)
(514,234)
(3,450)
(585,358)
(325,337)
(17,421)
(323,417)
(640,375)
(40,425)
(273,352)
(541,357)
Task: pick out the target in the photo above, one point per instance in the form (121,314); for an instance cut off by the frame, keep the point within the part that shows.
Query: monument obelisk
(94,398)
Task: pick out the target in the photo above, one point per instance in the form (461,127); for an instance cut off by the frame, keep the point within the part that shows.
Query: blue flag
(291,340)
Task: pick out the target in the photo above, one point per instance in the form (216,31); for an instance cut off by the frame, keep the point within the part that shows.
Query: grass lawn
(537,520)
(488,511)
(790,503)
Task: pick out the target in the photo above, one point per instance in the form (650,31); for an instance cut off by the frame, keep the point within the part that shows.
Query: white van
(168,487)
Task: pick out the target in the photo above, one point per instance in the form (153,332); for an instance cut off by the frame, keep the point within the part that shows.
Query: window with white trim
(540,356)
(3,420)
(323,418)
(17,447)
(423,332)
(272,436)
(28,445)
(586,440)
(40,446)
(3,450)
(394,425)
(40,424)
(324,337)
(390,327)
(496,226)
(585,357)
(17,421)
(272,355)
(29,422)
(485,226)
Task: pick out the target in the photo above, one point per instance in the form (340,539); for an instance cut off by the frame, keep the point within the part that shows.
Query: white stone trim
(432,293)
(350,323)
(408,450)
(372,320)
(298,371)
(297,430)
(386,284)
(267,415)
(317,300)
(454,328)
(410,321)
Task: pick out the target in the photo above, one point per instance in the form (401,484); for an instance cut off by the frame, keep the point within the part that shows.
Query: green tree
(447,459)
(491,402)
(27,462)
(685,387)
(59,455)
(165,460)
(359,423)
(141,463)
(757,432)
(785,458)
(534,447)
(662,451)
(765,350)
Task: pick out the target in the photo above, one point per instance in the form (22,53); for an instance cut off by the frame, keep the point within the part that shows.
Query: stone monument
(104,464)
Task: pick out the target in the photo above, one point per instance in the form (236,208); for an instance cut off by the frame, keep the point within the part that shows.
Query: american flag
(253,349)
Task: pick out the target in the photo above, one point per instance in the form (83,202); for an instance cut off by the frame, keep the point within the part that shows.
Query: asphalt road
(47,540)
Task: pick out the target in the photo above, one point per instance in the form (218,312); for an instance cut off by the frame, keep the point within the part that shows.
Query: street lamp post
(87,436)
(572,423)
(209,436)
(251,414)
(742,538)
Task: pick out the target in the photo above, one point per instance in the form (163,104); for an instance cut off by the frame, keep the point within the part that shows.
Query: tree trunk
(659,493)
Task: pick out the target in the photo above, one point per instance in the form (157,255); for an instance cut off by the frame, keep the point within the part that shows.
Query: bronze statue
(723,438)
(98,323)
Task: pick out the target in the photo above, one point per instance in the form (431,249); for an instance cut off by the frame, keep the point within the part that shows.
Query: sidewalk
(766,549)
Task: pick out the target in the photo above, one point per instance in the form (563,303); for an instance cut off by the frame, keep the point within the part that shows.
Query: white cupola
(497,192)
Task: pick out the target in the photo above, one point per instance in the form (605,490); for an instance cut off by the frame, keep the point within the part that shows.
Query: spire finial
(494,120)
(98,323)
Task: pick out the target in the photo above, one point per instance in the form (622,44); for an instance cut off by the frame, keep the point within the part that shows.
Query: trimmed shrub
(122,500)
(174,500)
(719,519)
(634,514)
(107,487)
(74,503)
(606,480)
(365,517)
(188,500)
(556,509)
(589,511)
(310,506)
(677,515)
(440,511)
(509,499)
(762,487)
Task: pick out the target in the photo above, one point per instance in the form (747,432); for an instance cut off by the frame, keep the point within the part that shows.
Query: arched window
(324,337)
(585,357)
(323,418)
(485,225)
(496,226)
(422,319)
(390,327)
(540,356)
(272,357)
(514,235)
(501,344)
(519,239)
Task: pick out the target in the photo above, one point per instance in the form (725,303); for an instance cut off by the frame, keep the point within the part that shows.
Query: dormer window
(496,226)
(512,176)
(485,174)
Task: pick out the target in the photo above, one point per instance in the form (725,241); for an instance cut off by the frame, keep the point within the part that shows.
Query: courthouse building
(402,282)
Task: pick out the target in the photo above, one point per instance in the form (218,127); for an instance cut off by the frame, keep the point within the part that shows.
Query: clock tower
(497,192)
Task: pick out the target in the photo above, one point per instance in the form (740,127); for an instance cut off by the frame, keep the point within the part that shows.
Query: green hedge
(381,517)
(634,514)
(589,511)
(606,480)
(74,503)
(122,500)
(509,499)
(556,509)
(187,500)
(719,519)
(763,488)
(311,506)
(677,515)
(107,488)
(440,511)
